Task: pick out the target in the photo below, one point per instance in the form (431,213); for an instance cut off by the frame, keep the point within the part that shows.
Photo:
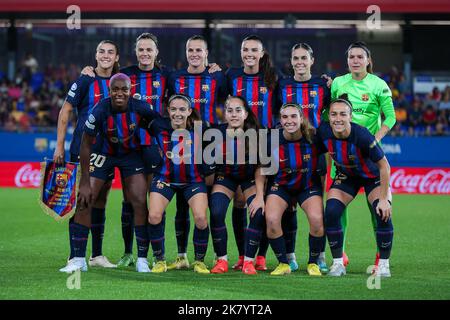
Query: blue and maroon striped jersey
(236,168)
(261,99)
(118,131)
(355,156)
(83,95)
(204,89)
(175,169)
(313,95)
(149,86)
(298,161)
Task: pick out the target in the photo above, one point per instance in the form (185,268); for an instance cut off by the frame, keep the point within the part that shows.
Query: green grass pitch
(33,247)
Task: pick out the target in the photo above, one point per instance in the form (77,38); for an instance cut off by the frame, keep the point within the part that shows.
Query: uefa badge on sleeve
(59,189)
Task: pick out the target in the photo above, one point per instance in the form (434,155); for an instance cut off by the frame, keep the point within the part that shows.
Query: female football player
(83,95)
(360,162)
(370,96)
(296,177)
(239,162)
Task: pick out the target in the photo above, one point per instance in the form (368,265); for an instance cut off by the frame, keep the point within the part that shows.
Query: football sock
(79,235)
(156,232)
(333,212)
(384,233)
(97,230)
(264,242)
(239,221)
(218,209)
(315,244)
(200,240)
(279,248)
(182,223)
(253,231)
(344,223)
(71,221)
(374,221)
(289,226)
(127,226)
(142,240)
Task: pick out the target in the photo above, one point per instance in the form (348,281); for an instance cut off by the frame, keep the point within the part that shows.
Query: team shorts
(102,166)
(287,195)
(168,190)
(232,183)
(152,158)
(351,185)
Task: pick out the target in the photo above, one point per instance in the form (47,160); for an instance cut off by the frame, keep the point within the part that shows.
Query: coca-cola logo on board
(433,181)
(26,176)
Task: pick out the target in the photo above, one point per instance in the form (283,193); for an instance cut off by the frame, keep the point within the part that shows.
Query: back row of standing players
(263,89)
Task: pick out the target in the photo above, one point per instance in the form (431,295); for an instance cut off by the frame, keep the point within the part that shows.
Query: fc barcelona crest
(159,185)
(313,93)
(220,178)
(274,187)
(156,84)
(132,126)
(263,90)
(306,157)
(61,179)
(205,87)
(365,97)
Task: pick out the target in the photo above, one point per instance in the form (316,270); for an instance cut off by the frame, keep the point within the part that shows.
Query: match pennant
(59,189)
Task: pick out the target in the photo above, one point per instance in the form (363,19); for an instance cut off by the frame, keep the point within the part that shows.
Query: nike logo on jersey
(98,95)
(153,167)
(290,94)
(134,84)
(165,142)
(182,88)
(239,90)
(138,169)
(195,189)
(283,160)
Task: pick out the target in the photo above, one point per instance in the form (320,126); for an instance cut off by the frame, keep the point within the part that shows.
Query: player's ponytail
(265,65)
(116,66)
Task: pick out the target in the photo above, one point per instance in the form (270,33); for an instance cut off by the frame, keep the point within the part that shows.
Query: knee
(333,212)
(273,225)
(154,217)
(201,222)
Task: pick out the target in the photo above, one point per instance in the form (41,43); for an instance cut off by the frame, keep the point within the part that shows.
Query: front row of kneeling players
(359,159)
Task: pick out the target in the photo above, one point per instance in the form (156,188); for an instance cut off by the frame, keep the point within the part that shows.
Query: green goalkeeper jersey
(370,97)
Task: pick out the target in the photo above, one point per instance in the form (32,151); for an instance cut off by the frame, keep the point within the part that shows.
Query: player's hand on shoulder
(88,71)
(214,67)
(329,80)
(384,209)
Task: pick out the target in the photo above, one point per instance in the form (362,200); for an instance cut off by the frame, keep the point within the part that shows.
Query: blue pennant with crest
(59,189)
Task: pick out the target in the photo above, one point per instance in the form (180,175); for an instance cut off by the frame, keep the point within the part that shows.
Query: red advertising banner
(403,180)
(28,175)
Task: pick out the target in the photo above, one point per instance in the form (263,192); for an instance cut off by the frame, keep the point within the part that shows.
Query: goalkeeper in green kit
(370,96)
